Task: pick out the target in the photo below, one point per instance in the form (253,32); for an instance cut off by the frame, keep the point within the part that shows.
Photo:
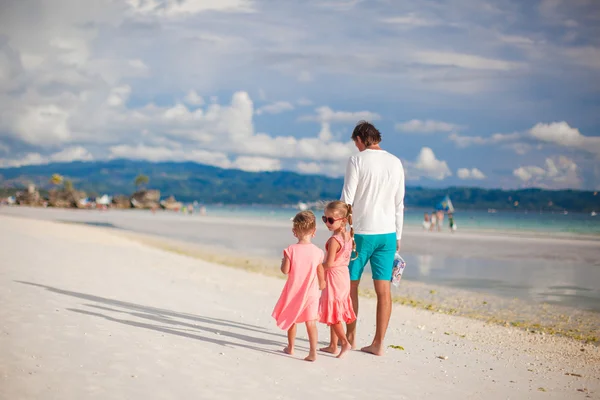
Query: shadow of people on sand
(175,323)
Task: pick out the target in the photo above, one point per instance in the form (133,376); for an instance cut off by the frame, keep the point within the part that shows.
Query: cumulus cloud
(326,114)
(309,167)
(560,134)
(473,173)
(194,98)
(76,153)
(257,164)
(333,169)
(428,166)
(275,108)
(118,96)
(557,173)
(427,126)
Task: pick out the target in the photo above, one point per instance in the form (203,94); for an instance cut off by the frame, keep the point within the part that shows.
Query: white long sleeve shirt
(374,186)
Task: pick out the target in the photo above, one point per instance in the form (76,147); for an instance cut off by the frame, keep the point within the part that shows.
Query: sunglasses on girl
(330,220)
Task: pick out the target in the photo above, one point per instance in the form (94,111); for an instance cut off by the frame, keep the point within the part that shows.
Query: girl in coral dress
(299,300)
(335,305)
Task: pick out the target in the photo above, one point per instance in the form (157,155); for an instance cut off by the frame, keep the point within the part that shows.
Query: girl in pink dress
(299,300)
(335,305)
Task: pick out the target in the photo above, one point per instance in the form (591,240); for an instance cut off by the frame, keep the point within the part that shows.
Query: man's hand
(397,246)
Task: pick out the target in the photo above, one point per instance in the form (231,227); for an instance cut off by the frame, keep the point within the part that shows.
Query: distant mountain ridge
(189,181)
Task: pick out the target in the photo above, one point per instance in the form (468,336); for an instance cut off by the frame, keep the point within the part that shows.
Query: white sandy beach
(88,314)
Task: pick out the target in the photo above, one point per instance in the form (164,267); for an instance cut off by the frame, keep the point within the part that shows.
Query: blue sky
(483,93)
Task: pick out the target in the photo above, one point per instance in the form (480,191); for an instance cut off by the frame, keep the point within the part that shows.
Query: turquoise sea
(536,222)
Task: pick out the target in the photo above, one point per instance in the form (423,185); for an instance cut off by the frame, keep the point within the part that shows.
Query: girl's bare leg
(313,338)
(333,342)
(291,339)
(339,331)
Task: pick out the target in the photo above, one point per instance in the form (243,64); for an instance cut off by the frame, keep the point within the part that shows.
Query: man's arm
(350,182)
(399,203)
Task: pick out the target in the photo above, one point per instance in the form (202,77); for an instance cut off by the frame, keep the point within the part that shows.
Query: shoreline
(539,318)
(281,222)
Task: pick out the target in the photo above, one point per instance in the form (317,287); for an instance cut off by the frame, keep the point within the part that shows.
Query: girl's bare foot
(312,356)
(329,349)
(351,341)
(288,350)
(345,347)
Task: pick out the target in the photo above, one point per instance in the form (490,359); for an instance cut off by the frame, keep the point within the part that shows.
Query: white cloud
(303,102)
(427,126)
(427,165)
(118,96)
(42,125)
(473,173)
(158,154)
(194,98)
(76,153)
(333,169)
(557,173)
(468,61)
(257,164)
(410,20)
(177,8)
(497,138)
(325,133)
(516,40)
(309,167)
(556,133)
(326,114)
(275,108)
(561,134)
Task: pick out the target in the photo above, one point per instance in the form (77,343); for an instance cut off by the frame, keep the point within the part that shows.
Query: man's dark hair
(367,133)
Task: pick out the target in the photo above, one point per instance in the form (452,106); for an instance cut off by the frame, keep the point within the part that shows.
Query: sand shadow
(168,321)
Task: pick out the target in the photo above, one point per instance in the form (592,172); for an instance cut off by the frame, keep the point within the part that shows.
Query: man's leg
(382,263)
(351,327)
(364,249)
(384,311)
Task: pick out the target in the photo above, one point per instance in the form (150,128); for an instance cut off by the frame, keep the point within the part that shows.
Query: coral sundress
(299,300)
(335,304)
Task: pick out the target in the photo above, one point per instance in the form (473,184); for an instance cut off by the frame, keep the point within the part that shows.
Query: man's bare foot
(312,356)
(329,349)
(345,348)
(287,350)
(373,349)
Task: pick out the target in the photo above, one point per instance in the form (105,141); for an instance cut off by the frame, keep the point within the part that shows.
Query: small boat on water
(593,214)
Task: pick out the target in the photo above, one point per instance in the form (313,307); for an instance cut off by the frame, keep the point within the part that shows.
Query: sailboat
(445,205)
(593,214)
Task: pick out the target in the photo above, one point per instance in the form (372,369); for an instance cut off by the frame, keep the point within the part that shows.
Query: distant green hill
(189,181)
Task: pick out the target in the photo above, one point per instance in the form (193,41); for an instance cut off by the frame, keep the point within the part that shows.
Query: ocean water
(536,222)
(515,267)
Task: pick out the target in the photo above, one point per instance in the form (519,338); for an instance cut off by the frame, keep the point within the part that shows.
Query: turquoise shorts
(379,250)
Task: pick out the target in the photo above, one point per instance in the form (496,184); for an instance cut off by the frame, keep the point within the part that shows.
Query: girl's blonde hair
(344,211)
(304,222)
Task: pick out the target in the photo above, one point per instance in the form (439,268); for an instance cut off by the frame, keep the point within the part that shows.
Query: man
(374,186)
